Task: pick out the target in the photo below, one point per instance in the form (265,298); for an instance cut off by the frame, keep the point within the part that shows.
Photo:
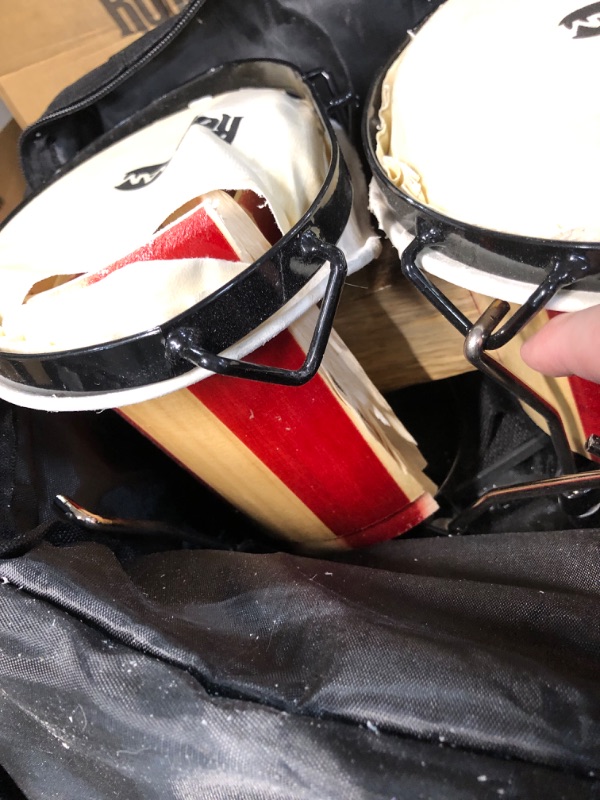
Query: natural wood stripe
(394,332)
(193,436)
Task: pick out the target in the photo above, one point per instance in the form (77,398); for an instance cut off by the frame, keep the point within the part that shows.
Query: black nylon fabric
(416,671)
(428,667)
(105,465)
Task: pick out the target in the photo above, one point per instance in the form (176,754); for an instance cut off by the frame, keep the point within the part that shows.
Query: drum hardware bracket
(578,492)
(341,107)
(575,486)
(429,234)
(578,501)
(564,270)
(475,345)
(593,445)
(183,343)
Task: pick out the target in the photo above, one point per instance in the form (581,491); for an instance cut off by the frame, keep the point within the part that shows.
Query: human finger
(569,344)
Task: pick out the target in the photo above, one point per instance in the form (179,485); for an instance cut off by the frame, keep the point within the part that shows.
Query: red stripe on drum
(587,402)
(300,433)
(406,519)
(196,236)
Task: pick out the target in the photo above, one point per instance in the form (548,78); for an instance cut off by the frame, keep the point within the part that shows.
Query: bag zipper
(185,17)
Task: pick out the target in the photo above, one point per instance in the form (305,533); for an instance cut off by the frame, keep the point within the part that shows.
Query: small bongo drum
(173,252)
(475,183)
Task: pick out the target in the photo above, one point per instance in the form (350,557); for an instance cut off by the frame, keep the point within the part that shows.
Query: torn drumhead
(236,316)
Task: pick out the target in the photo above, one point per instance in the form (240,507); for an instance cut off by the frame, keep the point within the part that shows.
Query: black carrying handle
(564,269)
(183,343)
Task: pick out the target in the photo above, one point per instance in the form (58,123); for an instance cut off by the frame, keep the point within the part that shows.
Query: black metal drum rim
(235,309)
(41,399)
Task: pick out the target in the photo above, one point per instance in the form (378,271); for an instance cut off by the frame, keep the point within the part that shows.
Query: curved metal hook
(476,342)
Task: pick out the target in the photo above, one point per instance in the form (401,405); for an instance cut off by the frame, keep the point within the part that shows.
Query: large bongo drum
(484,151)
(196,239)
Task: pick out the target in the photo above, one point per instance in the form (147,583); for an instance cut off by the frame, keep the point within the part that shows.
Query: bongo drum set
(234,376)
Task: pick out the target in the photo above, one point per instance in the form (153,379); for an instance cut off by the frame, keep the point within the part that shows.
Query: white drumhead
(489,116)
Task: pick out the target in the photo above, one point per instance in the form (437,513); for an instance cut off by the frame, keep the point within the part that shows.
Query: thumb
(569,344)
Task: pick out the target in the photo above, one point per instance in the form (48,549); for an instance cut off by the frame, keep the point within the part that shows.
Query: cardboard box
(46,46)
(12,182)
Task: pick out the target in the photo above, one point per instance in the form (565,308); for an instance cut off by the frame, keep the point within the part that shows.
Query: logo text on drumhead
(225,127)
(585,22)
